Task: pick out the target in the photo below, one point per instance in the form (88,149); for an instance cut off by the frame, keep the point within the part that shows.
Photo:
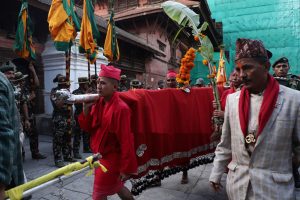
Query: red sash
(266,109)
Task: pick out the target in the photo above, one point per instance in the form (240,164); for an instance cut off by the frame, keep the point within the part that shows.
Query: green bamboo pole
(17,192)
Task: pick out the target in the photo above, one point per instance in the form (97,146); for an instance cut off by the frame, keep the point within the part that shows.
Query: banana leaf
(181,14)
(207,49)
(203,27)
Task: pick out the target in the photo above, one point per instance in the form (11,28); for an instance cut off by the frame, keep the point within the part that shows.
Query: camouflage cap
(7,66)
(135,82)
(83,80)
(19,76)
(62,80)
(123,77)
(55,80)
(280,60)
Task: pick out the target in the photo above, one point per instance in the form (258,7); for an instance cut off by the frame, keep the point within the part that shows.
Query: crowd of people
(259,147)
(17,102)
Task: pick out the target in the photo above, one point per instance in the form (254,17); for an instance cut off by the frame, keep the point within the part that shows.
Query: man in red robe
(171,79)
(108,122)
(172,83)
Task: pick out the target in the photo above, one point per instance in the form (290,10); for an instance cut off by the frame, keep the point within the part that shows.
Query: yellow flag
(221,75)
(89,32)
(111,47)
(61,25)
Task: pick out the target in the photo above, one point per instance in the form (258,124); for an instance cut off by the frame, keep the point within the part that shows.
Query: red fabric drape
(173,125)
(267,107)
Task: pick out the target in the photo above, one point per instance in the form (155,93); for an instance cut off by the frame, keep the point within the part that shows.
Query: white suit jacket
(269,169)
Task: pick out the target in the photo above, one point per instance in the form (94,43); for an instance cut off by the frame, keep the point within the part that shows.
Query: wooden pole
(89,69)
(217,121)
(69,107)
(95,67)
(68,63)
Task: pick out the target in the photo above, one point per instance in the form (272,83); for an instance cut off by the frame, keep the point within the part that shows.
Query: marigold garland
(187,63)
(196,38)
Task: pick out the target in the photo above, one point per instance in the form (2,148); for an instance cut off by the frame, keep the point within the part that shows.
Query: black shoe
(77,156)
(70,159)
(38,156)
(59,163)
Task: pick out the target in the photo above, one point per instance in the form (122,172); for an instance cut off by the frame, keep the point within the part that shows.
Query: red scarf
(224,97)
(266,109)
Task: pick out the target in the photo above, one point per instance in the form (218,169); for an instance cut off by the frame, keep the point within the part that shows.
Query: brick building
(146,20)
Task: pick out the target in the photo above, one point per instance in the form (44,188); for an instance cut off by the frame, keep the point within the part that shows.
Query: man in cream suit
(261,132)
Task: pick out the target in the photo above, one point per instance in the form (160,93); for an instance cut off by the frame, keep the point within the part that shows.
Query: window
(161,46)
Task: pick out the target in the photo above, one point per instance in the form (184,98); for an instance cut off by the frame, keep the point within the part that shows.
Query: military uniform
(291,81)
(77,132)
(135,84)
(24,97)
(62,123)
(122,86)
(20,99)
(93,84)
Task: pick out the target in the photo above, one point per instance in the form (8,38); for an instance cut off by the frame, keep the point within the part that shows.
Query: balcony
(121,5)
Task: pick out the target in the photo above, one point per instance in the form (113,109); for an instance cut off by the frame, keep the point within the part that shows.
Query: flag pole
(68,63)
(95,67)
(89,67)
(68,70)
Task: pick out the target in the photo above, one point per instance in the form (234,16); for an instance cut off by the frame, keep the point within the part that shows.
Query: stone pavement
(80,187)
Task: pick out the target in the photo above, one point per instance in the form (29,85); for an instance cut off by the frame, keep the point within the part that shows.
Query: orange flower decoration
(187,64)
(196,38)
(205,62)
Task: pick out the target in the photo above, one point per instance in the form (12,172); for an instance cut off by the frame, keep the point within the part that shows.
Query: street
(80,187)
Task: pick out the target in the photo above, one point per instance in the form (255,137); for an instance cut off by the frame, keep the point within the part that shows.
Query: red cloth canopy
(170,126)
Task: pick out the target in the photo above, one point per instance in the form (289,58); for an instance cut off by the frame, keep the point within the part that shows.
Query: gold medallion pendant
(250,138)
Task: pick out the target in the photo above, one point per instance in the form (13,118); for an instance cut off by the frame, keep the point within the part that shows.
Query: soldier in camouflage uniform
(77,132)
(62,123)
(135,84)
(21,102)
(281,68)
(123,84)
(31,131)
(93,84)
